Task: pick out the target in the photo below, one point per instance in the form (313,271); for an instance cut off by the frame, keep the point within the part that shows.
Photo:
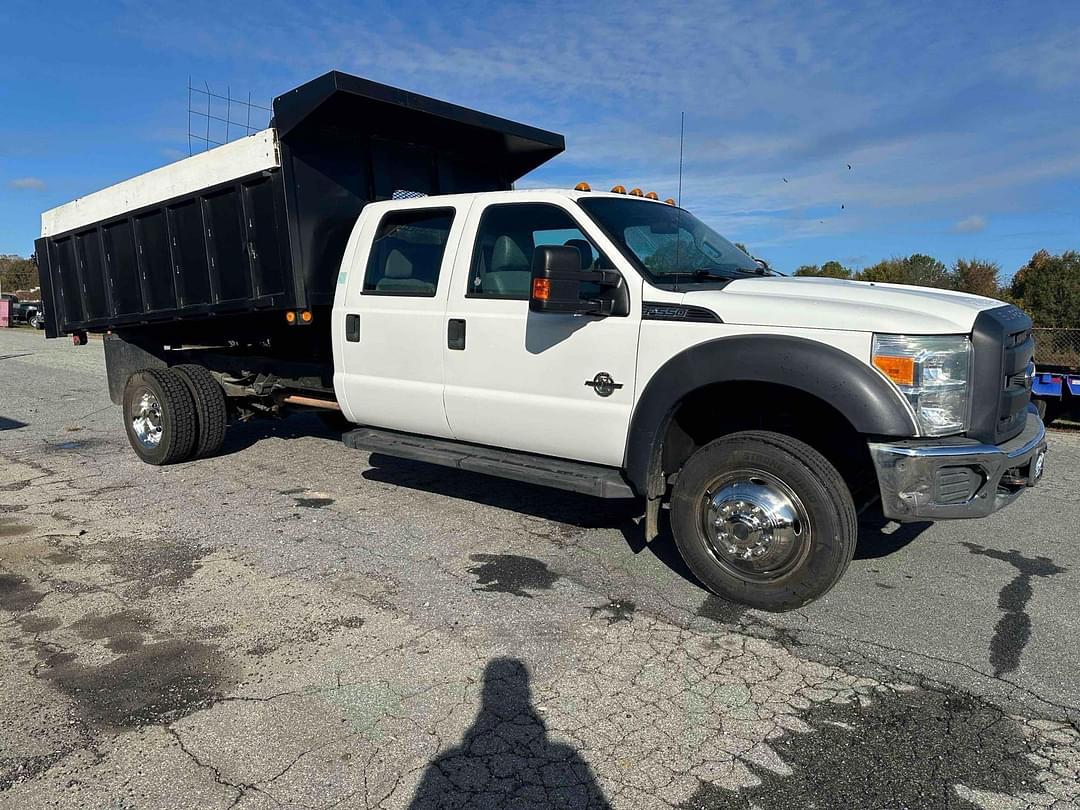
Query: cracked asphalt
(295,624)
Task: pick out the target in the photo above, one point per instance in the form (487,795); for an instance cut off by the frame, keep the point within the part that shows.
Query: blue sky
(961,121)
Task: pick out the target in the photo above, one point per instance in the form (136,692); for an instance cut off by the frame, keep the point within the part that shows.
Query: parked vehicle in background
(368,256)
(26,312)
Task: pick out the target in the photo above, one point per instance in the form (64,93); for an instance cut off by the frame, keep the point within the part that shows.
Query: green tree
(1048,288)
(17,273)
(917,269)
(831,269)
(977,277)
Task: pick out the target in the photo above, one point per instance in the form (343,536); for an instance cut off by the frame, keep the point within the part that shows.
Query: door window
(408,252)
(506,239)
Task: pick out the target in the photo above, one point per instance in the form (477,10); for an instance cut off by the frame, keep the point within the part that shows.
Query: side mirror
(556,283)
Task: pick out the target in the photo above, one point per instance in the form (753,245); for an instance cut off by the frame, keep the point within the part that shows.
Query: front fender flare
(853,388)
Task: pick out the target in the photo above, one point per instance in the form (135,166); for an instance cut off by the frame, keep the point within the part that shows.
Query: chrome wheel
(755,526)
(146,419)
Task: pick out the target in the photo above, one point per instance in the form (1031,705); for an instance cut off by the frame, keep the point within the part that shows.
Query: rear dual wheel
(173,414)
(763,519)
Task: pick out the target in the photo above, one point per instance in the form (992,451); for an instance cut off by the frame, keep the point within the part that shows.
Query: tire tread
(211,414)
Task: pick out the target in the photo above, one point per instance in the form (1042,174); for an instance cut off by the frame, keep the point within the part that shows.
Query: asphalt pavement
(296,624)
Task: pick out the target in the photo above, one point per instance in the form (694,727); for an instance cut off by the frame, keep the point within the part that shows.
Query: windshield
(668,244)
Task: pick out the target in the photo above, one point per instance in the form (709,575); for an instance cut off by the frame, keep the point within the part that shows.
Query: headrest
(508,255)
(397,265)
(584,248)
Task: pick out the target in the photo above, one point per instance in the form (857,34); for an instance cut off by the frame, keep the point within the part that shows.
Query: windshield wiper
(704,274)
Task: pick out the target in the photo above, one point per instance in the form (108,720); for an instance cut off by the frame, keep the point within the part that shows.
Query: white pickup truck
(606,343)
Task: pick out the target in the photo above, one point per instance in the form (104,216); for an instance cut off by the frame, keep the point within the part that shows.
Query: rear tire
(212,417)
(763,519)
(159,415)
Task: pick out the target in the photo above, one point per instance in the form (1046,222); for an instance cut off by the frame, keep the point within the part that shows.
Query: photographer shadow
(506,758)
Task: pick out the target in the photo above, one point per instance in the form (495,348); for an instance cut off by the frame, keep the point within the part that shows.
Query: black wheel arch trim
(854,389)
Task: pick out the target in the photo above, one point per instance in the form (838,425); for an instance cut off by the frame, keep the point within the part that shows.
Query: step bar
(574,476)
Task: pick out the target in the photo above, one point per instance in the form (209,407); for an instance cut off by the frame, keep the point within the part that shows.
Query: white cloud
(972,224)
(27,183)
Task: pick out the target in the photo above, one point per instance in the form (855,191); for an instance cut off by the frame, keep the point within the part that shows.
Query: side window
(505,241)
(408,252)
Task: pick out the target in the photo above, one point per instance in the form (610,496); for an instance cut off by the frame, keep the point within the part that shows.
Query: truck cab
(622,333)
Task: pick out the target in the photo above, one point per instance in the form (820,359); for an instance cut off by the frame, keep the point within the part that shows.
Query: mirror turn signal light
(582,186)
(901,370)
(541,289)
(618,189)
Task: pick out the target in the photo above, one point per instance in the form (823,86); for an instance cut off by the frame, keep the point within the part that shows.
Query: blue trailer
(1055,390)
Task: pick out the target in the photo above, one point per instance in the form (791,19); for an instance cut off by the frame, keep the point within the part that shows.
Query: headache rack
(258,226)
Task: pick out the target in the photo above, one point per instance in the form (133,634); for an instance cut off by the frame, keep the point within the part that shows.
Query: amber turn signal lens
(618,189)
(583,186)
(541,289)
(901,370)
(290,316)
(305,316)
(652,195)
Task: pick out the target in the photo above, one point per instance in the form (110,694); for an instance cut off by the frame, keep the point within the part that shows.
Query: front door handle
(455,334)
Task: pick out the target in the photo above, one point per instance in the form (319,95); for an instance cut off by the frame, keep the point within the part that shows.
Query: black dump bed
(257,245)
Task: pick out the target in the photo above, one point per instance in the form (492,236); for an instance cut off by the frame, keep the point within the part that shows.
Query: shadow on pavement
(506,758)
(880,537)
(242,435)
(568,508)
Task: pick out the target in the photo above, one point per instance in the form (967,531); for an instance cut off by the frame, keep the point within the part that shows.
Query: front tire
(159,415)
(763,519)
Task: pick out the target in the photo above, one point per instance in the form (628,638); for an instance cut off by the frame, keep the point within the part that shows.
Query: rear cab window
(407,253)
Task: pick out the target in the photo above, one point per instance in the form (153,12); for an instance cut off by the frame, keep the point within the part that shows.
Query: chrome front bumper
(955,477)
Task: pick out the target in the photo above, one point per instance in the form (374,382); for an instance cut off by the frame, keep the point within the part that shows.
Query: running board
(575,476)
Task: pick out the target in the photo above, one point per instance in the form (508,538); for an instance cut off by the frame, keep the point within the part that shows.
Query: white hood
(826,303)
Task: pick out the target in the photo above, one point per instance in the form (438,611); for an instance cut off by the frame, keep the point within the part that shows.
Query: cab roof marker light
(652,195)
(618,189)
(636,192)
(582,186)
(670,200)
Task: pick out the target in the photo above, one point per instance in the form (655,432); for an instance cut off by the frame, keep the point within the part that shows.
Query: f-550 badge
(603,384)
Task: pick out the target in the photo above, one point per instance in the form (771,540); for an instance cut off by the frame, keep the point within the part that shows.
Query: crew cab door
(389,326)
(527,380)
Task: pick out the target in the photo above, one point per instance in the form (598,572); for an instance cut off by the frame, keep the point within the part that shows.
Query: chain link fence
(1057,347)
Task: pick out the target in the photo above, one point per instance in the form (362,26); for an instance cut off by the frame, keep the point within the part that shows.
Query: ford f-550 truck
(367,255)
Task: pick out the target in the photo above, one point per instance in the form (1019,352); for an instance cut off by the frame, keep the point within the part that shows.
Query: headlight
(933,374)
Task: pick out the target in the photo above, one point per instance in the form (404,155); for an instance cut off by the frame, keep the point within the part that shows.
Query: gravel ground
(294,624)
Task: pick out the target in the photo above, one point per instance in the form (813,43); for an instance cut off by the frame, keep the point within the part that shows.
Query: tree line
(17,273)
(1047,287)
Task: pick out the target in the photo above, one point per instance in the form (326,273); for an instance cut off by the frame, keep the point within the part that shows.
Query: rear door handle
(455,334)
(352,328)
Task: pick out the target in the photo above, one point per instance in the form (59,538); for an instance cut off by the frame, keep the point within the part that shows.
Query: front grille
(1003,349)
